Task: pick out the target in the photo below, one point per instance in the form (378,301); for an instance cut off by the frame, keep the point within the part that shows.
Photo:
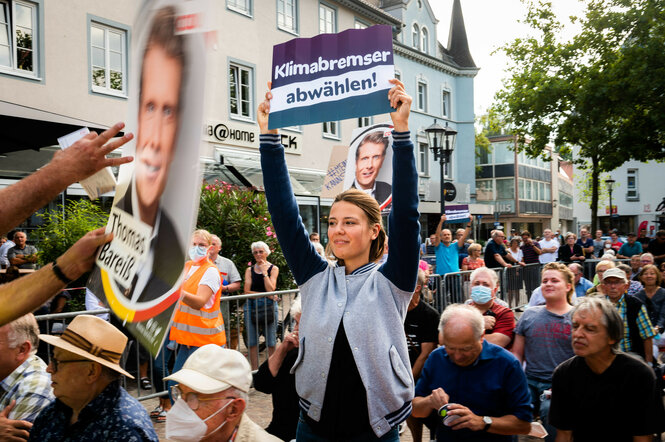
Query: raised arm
(79,161)
(467,230)
(404,238)
(439,228)
(299,252)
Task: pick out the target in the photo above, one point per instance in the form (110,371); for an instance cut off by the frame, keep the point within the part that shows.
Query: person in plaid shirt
(637,328)
(25,388)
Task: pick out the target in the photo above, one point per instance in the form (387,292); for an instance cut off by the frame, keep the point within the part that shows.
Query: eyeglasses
(258,252)
(618,282)
(55,362)
(192,399)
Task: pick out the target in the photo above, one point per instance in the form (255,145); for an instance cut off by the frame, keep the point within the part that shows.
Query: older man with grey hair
(481,384)
(603,393)
(25,385)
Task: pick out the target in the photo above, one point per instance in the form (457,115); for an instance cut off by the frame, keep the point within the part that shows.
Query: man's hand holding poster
(332,77)
(139,272)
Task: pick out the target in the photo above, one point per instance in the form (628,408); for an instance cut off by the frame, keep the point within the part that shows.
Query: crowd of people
(367,353)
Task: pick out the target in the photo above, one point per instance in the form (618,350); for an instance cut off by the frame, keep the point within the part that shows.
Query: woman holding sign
(352,372)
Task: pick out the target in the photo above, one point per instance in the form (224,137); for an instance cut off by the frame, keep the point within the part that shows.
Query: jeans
(306,434)
(160,368)
(541,404)
(254,330)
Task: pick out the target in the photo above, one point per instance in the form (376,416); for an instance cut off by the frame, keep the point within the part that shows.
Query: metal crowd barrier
(235,322)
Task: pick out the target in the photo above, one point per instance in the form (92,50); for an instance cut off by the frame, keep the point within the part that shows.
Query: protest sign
(332,77)
(334,180)
(458,214)
(138,274)
(369,163)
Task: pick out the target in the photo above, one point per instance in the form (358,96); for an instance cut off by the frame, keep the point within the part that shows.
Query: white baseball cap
(615,273)
(212,369)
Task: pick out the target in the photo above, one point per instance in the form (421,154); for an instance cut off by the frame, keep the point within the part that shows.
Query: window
(445,104)
(360,25)
(425,42)
(632,193)
(242,6)
(287,15)
(423,159)
(327,19)
(415,36)
(240,91)
(108,49)
(398,75)
(505,188)
(503,155)
(331,129)
(484,156)
(565,200)
(485,190)
(534,190)
(18,36)
(422,96)
(364,121)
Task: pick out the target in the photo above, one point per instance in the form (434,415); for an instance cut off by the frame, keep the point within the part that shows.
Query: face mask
(607,246)
(183,424)
(197,252)
(481,294)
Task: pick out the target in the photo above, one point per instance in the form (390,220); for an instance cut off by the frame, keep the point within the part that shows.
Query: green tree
(62,227)
(603,90)
(239,216)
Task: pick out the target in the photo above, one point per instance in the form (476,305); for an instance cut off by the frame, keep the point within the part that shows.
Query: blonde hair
(203,234)
(567,275)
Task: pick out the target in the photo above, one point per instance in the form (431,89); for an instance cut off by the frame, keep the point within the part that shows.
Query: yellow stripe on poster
(116,305)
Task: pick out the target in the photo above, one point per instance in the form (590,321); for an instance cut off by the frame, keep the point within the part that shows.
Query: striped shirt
(643,323)
(30,385)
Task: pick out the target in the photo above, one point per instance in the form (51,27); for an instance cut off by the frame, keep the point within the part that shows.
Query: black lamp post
(610,182)
(442,142)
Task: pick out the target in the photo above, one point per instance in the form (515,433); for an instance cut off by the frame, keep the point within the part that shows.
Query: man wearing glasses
(495,252)
(211,397)
(85,375)
(638,331)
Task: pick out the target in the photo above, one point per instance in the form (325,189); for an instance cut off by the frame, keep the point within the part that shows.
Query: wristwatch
(488,422)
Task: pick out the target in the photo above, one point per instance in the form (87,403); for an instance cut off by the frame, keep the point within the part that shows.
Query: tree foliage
(603,90)
(239,216)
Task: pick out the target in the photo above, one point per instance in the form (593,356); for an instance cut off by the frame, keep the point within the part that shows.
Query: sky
(489,25)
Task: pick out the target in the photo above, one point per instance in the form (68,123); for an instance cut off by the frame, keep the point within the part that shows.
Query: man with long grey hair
(603,393)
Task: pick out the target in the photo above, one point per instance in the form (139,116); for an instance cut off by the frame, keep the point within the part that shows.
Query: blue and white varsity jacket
(372,300)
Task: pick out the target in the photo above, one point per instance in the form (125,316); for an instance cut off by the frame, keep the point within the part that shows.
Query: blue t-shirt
(582,287)
(447,258)
(494,385)
(585,245)
(628,250)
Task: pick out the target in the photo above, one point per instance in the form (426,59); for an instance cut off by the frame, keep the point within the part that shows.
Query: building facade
(638,197)
(68,67)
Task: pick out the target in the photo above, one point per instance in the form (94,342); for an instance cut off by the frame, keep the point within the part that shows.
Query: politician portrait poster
(369,163)
(139,272)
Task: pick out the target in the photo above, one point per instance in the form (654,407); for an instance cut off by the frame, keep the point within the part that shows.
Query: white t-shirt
(211,279)
(548,257)
(518,256)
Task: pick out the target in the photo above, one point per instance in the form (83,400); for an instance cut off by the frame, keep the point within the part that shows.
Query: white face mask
(183,424)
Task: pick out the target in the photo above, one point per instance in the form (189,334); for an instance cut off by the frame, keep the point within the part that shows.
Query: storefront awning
(29,128)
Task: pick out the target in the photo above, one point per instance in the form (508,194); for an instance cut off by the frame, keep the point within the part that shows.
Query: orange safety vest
(193,327)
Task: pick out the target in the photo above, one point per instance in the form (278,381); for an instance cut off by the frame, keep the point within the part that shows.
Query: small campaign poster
(332,77)
(138,274)
(369,163)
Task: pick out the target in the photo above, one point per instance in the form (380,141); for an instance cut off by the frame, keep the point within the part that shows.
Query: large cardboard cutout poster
(332,77)
(139,273)
(369,163)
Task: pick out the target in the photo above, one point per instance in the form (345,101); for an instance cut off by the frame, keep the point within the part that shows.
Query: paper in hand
(101,182)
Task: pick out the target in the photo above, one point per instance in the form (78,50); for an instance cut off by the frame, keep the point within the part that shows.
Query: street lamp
(442,142)
(610,182)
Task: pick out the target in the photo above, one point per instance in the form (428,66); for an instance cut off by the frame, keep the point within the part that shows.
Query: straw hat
(94,339)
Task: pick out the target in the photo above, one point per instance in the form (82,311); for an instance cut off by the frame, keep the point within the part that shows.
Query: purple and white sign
(332,77)
(458,214)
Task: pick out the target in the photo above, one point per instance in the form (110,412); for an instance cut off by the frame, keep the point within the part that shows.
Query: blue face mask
(481,294)
(197,252)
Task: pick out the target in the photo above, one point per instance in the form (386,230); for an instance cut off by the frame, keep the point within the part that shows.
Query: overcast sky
(489,25)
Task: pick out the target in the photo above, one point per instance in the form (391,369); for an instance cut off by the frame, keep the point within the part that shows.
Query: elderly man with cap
(90,404)
(211,397)
(638,331)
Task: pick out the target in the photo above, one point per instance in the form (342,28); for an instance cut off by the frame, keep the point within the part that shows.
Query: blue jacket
(373,300)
